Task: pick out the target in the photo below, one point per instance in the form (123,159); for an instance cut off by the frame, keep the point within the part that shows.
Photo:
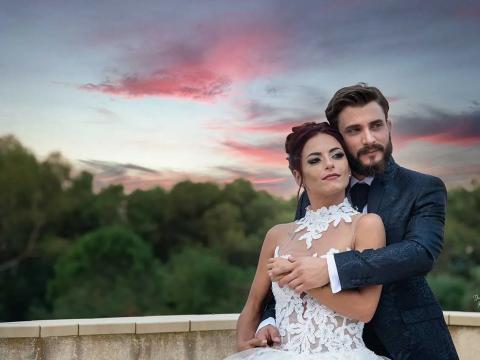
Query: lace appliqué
(306,326)
(317,221)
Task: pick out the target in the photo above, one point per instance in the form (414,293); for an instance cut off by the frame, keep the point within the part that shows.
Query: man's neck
(358,176)
(361,179)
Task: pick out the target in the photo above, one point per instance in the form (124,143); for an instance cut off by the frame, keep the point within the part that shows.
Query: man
(408,323)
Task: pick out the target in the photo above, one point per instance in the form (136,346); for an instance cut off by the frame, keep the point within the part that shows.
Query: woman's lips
(331,177)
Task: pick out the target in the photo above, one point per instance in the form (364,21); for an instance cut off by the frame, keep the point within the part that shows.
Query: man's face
(367,135)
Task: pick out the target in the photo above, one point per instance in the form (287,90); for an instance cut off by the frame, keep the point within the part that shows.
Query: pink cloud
(280,126)
(190,84)
(269,154)
(203,71)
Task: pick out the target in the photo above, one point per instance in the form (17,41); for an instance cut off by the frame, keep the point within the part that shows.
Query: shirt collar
(368,180)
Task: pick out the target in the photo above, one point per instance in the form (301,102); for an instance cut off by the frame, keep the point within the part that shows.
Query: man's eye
(314,161)
(377,125)
(351,131)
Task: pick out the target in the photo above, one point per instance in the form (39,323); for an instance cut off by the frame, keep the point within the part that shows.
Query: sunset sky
(153,92)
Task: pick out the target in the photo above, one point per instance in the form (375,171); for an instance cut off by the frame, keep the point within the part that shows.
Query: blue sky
(153,93)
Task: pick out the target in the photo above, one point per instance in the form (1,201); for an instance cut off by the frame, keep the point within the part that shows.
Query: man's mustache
(369,148)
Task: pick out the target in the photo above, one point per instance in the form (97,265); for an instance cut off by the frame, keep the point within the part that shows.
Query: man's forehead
(352,115)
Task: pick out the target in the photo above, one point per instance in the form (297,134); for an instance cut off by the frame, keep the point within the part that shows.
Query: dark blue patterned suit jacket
(408,323)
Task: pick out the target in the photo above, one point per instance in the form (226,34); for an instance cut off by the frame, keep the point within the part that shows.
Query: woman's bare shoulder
(370,231)
(279,231)
(369,221)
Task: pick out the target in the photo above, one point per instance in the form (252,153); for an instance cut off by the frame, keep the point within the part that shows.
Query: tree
(201,282)
(187,203)
(109,272)
(146,215)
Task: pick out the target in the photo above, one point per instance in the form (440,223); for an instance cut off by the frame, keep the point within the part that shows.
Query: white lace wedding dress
(308,329)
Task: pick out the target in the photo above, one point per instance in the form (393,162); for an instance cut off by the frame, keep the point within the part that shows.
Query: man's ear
(389,124)
(297,176)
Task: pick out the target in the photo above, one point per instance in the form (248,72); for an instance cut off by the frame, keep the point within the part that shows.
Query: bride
(315,324)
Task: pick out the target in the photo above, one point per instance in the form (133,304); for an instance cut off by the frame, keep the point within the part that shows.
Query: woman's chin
(331,189)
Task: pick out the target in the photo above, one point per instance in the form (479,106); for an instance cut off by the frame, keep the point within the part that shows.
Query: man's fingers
(287,278)
(299,289)
(295,283)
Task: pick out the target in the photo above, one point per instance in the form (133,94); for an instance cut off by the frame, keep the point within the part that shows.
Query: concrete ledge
(180,337)
(25,329)
(461,318)
(214,322)
(163,324)
(158,324)
(114,326)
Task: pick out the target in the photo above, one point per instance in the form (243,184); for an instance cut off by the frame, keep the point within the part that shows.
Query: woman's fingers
(274,335)
(257,342)
(279,266)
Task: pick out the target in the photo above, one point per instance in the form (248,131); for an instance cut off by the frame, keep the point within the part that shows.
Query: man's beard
(372,169)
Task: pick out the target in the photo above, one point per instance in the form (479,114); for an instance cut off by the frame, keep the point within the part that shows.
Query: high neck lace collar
(317,221)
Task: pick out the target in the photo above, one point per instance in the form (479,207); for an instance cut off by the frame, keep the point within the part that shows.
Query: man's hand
(269,335)
(305,273)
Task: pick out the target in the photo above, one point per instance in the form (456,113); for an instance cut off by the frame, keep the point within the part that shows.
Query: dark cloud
(275,181)
(439,126)
(110,168)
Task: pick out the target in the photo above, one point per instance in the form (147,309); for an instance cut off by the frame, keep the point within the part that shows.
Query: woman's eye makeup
(338,155)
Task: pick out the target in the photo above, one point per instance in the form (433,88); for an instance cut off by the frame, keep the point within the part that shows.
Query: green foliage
(103,275)
(67,251)
(199,281)
(450,290)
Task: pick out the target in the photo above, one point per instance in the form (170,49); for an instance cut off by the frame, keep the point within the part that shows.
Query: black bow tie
(359,195)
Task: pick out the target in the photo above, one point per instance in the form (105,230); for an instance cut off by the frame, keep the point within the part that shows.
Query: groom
(408,323)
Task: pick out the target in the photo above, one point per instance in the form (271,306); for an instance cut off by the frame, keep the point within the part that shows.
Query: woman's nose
(329,164)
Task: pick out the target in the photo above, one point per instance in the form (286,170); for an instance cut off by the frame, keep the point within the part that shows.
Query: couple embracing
(348,275)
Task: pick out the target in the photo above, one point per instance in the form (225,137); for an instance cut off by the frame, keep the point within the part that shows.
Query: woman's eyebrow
(320,154)
(334,149)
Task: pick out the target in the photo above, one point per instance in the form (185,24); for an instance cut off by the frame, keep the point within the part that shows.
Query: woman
(317,324)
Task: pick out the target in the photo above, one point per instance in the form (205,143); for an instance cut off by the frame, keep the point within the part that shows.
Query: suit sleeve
(269,309)
(413,256)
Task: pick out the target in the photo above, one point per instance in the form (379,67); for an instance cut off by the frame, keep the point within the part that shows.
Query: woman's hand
(278,267)
(252,343)
(270,334)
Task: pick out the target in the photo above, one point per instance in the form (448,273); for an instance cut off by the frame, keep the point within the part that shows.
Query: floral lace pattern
(316,222)
(306,326)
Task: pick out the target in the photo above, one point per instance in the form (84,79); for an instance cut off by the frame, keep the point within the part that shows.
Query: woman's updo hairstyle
(297,139)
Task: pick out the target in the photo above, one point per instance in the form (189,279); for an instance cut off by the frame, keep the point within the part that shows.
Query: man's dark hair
(356,95)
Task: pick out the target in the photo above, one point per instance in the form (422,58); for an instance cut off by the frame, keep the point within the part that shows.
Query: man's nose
(367,138)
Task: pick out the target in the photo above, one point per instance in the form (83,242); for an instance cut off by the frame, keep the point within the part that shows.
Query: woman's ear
(298,177)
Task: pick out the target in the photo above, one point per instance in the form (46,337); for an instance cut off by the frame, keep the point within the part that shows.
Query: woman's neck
(318,201)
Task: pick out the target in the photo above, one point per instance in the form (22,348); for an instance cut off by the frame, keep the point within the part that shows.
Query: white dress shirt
(331,266)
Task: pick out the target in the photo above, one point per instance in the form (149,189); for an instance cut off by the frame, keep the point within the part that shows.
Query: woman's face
(325,167)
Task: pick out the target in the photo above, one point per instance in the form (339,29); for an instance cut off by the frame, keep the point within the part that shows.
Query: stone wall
(188,337)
